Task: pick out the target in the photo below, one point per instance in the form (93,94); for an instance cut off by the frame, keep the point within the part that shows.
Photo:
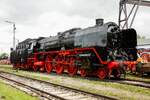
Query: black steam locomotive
(99,50)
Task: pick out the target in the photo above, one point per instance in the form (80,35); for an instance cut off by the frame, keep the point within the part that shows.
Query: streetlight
(17,41)
(14,28)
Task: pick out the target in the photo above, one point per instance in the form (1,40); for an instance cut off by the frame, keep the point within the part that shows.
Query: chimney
(99,22)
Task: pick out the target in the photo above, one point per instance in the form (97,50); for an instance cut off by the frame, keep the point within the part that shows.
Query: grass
(9,93)
(119,91)
(128,76)
(138,78)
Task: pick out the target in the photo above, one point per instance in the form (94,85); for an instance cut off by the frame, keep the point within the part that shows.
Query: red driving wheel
(59,66)
(72,69)
(48,64)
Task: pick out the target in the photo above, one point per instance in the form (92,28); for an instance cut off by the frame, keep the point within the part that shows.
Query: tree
(140,37)
(3,56)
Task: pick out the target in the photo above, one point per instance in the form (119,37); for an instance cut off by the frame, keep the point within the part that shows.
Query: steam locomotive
(99,50)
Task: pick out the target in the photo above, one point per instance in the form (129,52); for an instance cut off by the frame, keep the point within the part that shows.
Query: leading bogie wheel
(102,73)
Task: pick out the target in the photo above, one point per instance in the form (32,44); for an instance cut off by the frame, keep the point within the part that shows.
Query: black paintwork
(105,38)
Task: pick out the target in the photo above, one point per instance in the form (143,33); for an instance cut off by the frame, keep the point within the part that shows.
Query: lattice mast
(126,14)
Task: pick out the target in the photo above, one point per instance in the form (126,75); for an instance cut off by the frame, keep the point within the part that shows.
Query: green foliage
(140,37)
(3,56)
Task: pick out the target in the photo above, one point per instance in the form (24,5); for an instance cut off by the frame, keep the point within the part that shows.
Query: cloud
(142,23)
(36,18)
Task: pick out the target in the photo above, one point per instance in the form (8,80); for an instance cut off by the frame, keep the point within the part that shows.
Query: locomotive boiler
(98,50)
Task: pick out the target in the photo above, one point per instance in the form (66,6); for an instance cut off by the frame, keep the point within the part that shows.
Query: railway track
(121,81)
(131,82)
(126,81)
(51,91)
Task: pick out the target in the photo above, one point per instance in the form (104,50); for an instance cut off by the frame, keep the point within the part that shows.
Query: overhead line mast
(125,16)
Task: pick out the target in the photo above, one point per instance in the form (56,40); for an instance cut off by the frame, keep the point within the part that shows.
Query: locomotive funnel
(99,22)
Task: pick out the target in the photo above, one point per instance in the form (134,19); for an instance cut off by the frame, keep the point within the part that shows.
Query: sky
(35,18)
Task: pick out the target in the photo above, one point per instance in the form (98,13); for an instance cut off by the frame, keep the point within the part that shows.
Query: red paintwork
(72,69)
(102,73)
(83,72)
(113,64)
(48,64)
(64,60)
(39,63)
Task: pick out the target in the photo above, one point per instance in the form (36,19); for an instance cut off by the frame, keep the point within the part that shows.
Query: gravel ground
(55,90)
(135,93)
(68,81)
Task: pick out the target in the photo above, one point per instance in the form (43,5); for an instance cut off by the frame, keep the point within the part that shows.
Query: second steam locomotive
(98,50)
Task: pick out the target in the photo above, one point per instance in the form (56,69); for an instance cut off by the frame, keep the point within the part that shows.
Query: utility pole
(14,31)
